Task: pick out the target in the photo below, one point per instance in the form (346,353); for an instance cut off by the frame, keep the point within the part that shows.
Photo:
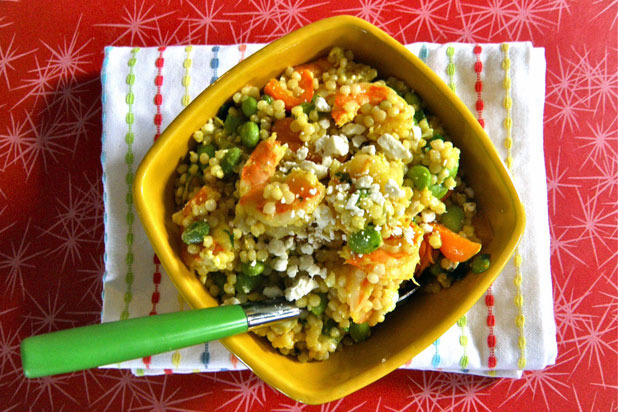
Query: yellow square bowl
(411,327)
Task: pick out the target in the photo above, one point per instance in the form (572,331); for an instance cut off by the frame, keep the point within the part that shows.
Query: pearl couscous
(328,188)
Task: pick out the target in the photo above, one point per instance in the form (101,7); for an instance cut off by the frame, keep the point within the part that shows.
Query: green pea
(420,176)
(195,232)
(359,331)
(480,263)
(318,310)
(209,149)
(247,284)
(365,241)
(230,159)
(254,268)
(307,107)
(453,218)
(231,123)
(250,134)
(249,106)
(412,99)
(438,191)
(267,98)
(219,278)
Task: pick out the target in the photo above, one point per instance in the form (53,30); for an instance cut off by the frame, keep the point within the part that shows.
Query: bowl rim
(165,253)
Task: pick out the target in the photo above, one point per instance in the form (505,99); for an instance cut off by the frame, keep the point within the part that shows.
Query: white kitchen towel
(509,330)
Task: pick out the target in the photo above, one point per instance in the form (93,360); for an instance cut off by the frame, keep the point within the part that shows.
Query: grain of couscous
(330,188)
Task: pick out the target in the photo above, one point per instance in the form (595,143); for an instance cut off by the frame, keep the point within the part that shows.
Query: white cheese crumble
(393,149)
(301,153)
(301,287)
(369,149)
(393,190)
(321,105)
(320,171)
(332,145)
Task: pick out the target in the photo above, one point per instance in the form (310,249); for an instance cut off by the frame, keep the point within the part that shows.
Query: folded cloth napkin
(511,329)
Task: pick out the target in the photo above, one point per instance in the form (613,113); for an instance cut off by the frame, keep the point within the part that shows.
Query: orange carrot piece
(454,247)
(273,88)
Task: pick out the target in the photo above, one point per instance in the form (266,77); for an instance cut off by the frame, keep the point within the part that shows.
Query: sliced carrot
(454,247)
(273,88)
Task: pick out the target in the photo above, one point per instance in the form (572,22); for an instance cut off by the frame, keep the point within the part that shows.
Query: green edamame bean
(480,263)
(195,232)
(249,106)
(250,134)
(254,268)
(359,331)
(365,241)
(420,176)
(230,159)
(453,218)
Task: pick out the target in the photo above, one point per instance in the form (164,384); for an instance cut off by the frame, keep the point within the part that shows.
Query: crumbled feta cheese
(272,292)
(300,288)
(277,247)
(353,129)
(313,270)
(301,153)
(280,264)
(305,261)
(364,181)
(369,149)
(375,195)
(393,190)
(306,249)
(324,124)
(321,105)
(351,205)
(416,132)
(358,140)
(332,145)
(327,161)
(319,171)
(428,215)
(397,231)
(393,149)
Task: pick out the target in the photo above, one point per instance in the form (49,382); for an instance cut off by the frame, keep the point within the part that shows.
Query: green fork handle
(107,343)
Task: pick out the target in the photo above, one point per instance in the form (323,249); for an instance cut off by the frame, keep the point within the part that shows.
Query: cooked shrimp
(261,165)
(306,194)
(346,106)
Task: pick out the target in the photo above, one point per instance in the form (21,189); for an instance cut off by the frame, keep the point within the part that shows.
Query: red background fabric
(51,225)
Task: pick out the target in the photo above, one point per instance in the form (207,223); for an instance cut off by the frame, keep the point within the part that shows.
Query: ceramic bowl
(411,327)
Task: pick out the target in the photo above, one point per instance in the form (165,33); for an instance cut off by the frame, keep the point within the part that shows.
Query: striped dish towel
(511,329)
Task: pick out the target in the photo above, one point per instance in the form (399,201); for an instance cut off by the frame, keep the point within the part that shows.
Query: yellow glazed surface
(412,327)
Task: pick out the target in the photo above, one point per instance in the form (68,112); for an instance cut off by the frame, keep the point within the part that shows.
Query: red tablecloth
(51,237)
